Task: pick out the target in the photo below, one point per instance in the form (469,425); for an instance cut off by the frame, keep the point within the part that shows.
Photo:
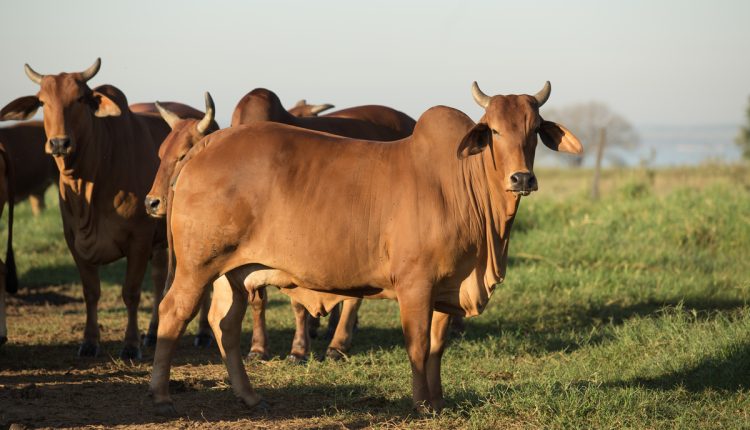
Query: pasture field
(629,312)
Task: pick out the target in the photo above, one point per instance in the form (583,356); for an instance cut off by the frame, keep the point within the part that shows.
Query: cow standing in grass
(261,105)
(107,159)
(425,220)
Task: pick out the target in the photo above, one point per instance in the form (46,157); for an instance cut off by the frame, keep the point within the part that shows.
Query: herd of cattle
(363,202)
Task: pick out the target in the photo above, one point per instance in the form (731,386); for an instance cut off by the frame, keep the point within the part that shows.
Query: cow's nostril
(514,178)
(152,203)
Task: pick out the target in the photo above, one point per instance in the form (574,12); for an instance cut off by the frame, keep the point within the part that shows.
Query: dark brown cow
(160,129)
(375,114)
(107,160)
(302,109)
(263,105)
(33,170)
(425,220)
(8,269)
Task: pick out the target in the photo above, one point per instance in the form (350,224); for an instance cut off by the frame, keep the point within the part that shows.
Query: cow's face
(184,135)
(509,128)
(69,106)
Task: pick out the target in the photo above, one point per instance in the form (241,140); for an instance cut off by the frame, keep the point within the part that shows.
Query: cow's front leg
(91,293)
(415,305)
(438,337)
(3,324)
(159,278)
(137,260)
(203,338)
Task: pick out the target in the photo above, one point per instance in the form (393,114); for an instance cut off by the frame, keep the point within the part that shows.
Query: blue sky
(655,62)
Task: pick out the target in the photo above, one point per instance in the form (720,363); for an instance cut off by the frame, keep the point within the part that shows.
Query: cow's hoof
(256,356)
(165,409)
(336,355)
(89,349)
(203,340)
(3,340)
(296,359)
(262,407)
(131,352)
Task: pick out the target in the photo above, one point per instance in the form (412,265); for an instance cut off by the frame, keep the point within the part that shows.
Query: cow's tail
(11,275)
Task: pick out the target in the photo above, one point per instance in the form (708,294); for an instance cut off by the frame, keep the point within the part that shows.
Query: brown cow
(376,114)
(107,160)
(264,105)
(302,109)
(160,130)
(33,170)
(425,220)
(8,269)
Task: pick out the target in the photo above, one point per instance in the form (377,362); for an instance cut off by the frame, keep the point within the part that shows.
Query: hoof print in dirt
(88,349)
(203,340)
(130,352)
(256,356)
(296,359)
(336,355)
(165,410)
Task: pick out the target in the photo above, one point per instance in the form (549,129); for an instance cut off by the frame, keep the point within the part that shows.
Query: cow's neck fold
(491,214)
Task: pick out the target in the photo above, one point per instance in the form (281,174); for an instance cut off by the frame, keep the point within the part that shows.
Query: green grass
(628,312)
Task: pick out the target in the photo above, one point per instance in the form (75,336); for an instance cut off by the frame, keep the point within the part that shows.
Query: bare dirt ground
(44,385)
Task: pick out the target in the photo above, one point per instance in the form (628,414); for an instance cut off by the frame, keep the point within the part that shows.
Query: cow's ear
(559,138)
(20,109)
(478,138)
(104,106)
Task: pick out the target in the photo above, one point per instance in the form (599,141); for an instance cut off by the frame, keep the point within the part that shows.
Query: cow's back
(380,115)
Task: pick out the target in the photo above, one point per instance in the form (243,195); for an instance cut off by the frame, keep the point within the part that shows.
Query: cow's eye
(495,132)
(41,103)
(181,156)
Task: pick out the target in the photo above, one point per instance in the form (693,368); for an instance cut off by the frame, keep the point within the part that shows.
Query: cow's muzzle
(523,183)
(60,146)
(155,207)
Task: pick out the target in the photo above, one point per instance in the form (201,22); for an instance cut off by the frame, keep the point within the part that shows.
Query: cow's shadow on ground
(728,372)
(555,337)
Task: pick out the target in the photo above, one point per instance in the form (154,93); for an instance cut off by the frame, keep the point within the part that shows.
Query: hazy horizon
(655,63)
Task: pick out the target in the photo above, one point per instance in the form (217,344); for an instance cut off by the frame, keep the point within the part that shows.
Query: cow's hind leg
(159,278)
(228,307)
(438,337)
(177,308)
(301,342)
(138,257)
(259,346)
(342,339)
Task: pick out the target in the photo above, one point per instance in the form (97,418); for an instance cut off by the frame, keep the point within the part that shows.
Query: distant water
(669,145)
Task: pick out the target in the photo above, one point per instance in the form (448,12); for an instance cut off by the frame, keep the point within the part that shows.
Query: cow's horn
(33,75)
(91,71)
(209,117)
(542,96)
(481,98)
(320,108)
(301,103)
(170,117)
